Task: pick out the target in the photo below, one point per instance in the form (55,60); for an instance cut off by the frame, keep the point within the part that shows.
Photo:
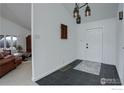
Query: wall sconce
(121,15)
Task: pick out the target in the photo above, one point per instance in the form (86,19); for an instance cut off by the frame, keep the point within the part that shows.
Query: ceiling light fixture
(76,12)
(78,19)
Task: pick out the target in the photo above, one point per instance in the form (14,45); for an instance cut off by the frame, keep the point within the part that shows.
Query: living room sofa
(8,62)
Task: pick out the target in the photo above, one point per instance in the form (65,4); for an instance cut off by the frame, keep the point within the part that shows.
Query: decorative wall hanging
(64,31)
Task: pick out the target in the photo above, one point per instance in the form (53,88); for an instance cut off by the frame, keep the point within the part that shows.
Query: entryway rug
(89,67)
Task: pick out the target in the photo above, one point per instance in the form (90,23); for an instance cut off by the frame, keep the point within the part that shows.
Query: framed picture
(64,31)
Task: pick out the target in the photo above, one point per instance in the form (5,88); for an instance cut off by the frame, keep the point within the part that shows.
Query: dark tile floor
(70,76)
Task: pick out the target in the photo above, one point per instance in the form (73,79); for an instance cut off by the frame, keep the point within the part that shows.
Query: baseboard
(42,75)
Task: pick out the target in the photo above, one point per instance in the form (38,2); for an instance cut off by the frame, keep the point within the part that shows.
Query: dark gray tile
(109,72)
(75,77)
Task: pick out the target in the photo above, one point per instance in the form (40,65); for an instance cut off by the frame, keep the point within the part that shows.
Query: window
(1,41)
(8,41)
(14,40)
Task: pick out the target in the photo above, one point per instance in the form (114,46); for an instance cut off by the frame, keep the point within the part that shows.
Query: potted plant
(19,48)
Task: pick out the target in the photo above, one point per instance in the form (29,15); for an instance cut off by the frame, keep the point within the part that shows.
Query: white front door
(93,48)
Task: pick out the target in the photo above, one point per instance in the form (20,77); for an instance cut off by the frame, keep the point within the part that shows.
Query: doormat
(89,67)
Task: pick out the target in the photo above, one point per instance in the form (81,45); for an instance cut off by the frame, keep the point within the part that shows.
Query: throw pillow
(8,56)
(1,50)
(1,55)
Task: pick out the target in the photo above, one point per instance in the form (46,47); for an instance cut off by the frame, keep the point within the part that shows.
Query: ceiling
(99,11)
(20,13)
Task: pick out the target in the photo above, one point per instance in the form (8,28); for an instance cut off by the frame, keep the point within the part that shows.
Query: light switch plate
(37,36)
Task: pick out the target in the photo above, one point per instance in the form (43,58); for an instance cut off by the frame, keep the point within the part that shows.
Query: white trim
(42,75)
(94,28)
(32,40)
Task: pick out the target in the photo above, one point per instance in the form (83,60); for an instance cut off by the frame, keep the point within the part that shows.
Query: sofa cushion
(6,60)
(8,56)
(1,55)
(1,50)
(7,52)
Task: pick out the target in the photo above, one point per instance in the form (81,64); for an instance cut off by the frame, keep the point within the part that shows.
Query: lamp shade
(78,19)
(87,11)
(75,12)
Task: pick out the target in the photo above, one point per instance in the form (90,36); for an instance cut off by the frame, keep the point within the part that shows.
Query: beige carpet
(22,75)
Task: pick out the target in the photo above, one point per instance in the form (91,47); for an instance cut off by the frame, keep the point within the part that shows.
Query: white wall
(9,28)
(99,11)
(109,39)
(120,62)
(49,51)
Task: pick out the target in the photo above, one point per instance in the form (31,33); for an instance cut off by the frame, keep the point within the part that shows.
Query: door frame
(91,28)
